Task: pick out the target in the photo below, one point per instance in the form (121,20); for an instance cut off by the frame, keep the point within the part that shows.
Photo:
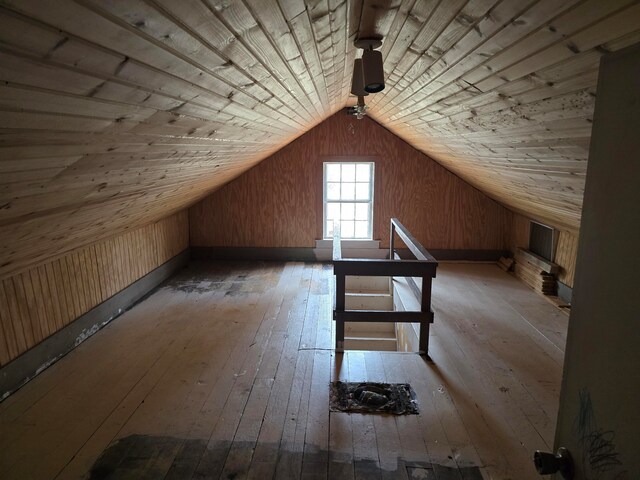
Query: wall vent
(542,240)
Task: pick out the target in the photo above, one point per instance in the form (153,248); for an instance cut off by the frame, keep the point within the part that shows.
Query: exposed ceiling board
(113,114)
(503,95)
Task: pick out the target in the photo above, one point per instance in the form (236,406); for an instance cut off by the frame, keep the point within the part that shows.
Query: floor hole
(372,397)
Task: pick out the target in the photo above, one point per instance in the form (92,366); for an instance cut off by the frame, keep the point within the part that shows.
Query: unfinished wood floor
(224,373)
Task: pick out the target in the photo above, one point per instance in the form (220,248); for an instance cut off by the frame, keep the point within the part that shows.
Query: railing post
(425,306)
(340,306)
(392,234)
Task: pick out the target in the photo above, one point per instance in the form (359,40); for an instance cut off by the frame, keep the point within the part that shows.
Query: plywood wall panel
(519,232)
(279,202)
(566,254)
(40,301)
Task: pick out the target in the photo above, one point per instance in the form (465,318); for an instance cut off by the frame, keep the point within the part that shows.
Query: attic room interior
(218,216)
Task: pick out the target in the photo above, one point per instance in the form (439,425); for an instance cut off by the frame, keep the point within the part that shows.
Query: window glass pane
(361,229)
(346,229)
(333,211)
(348,200)
(362,211)
(362,191)
(348,191)
(333,191)
(348,211)
(363,172)
(349,173)
(329,228)
(333,172)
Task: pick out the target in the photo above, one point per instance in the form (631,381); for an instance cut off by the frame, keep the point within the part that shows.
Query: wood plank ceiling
(116,113)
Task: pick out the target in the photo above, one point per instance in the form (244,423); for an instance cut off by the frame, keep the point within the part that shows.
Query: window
(348,199)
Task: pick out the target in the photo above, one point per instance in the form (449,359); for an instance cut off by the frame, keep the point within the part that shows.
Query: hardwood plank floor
(223,373)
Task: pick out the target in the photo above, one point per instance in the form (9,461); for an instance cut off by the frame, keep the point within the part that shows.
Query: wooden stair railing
(423,266)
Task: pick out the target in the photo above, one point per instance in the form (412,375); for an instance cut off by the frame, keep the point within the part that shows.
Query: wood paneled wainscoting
(37,303)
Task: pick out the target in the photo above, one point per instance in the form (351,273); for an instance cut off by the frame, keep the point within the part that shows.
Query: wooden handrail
(384,267)
(410,241)
(423,266)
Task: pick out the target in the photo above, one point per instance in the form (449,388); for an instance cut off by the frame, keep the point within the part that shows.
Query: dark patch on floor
(371,397)
(235,277)
(244,287)
(199,287)
(170,458)
(147,456)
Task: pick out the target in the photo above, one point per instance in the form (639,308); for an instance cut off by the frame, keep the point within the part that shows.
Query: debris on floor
(371,397)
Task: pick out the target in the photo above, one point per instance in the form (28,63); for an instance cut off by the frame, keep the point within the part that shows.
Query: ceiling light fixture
(357,89)
(357,81)
(372,68)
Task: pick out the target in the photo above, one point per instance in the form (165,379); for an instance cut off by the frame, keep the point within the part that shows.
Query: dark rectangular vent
(541,240)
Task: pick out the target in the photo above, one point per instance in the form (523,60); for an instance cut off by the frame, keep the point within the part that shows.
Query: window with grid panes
(348,199)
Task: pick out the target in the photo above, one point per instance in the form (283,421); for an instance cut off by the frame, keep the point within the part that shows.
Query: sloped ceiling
(116,113)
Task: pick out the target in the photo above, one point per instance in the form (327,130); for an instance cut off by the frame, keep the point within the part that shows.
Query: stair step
(386,344)
(365,284)
(368,301)
(373,335)
(365,328)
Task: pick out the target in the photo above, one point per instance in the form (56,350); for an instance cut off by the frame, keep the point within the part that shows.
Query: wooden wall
(40,301)
(278,203)
(566,247)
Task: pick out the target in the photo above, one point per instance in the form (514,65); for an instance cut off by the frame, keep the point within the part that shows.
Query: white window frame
(370,201)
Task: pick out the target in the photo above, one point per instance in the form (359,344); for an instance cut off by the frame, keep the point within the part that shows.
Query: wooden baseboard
(451,254)
(309,254)
(302,254)
(35,360)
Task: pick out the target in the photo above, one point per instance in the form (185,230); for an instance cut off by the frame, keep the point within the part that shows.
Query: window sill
(351,249)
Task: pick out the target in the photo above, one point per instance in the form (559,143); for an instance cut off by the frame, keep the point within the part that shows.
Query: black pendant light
(357,81)
(372,68)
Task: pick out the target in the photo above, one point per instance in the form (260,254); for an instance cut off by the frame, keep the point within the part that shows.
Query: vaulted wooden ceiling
(115,113)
